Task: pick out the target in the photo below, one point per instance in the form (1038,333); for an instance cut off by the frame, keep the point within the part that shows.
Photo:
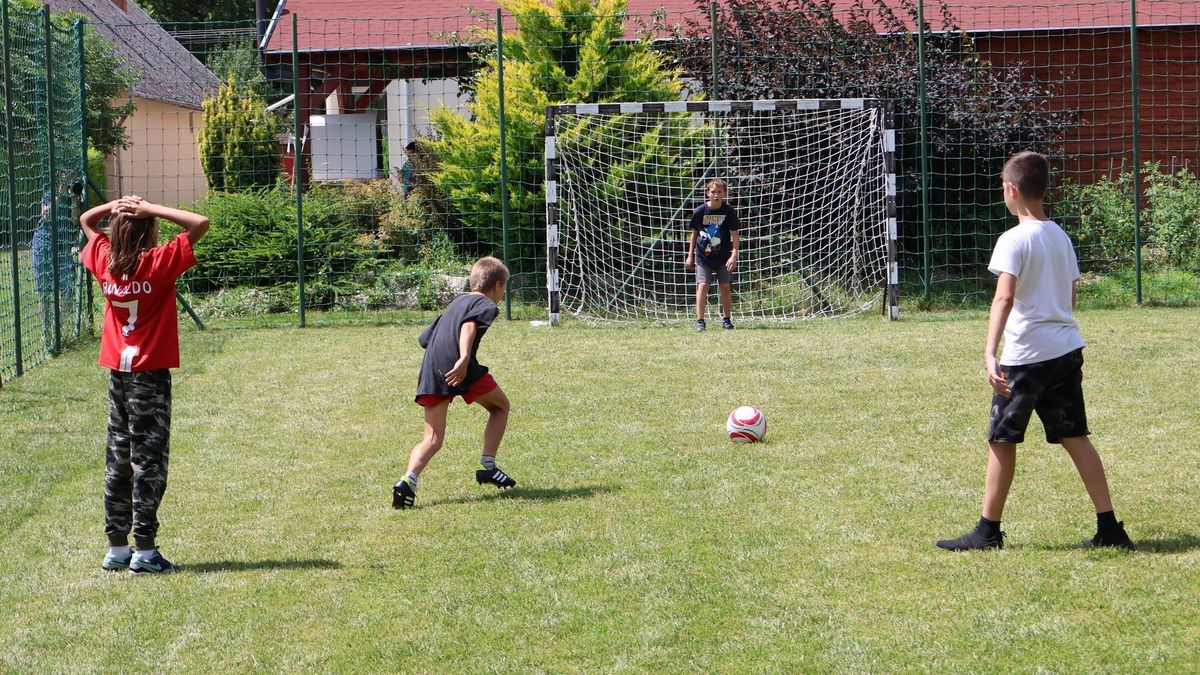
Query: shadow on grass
(532,494)
(1179,544)
(248,565)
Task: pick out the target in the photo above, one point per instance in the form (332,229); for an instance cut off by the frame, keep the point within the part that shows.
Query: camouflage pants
(135,463)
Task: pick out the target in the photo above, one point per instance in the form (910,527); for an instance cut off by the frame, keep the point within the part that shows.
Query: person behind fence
(713,251)
(1040,369)
(408,174)
(43,254)
(139,344)
(451,368)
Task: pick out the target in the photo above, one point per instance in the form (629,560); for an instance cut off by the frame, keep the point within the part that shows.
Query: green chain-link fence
(43,297)
(353,165)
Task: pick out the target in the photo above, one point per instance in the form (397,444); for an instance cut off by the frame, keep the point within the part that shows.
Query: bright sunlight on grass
(639,539)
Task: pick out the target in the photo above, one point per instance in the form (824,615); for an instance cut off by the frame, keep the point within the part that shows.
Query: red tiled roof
(382,24)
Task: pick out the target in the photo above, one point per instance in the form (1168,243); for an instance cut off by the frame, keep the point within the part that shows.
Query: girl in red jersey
(139,344)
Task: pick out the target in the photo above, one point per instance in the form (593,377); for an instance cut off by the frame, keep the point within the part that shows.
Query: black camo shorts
(1053,389)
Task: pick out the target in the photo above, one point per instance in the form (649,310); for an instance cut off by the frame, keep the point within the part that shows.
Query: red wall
(1093,69)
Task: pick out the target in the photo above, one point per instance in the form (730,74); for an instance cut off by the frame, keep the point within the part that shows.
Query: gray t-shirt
(440,341)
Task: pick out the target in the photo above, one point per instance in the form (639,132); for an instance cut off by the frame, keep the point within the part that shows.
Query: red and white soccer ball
(747,424)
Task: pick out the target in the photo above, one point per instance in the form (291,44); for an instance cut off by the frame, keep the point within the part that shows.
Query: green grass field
(639,540)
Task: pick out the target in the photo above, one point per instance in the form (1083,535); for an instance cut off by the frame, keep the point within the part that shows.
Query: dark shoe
(403,495)
(1112,539)
(700,325)
(155,564)
(973,540)
(495,477)
(114,564)
(726,324)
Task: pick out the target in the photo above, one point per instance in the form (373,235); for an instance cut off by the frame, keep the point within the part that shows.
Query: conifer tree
(238,148)
(574,51)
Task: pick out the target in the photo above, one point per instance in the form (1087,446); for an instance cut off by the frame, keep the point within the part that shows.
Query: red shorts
(482,386)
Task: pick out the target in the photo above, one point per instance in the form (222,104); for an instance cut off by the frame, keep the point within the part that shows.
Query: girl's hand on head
(133,206)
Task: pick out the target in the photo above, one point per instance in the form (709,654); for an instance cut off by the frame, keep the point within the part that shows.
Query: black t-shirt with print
(713,226)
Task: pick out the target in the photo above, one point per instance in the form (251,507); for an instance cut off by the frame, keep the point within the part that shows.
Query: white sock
(488,461)
(412,480)
(119,551)
(148,553)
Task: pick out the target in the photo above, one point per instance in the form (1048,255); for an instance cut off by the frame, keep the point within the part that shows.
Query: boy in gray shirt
(451,368)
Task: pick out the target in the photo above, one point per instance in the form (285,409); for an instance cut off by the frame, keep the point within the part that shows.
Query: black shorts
(1053,389)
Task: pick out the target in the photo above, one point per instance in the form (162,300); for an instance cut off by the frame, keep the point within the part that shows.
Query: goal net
(811,180)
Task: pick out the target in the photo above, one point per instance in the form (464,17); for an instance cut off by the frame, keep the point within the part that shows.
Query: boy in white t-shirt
(1040,369)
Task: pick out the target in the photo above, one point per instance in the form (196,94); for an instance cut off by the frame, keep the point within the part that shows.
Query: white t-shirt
(1041,326)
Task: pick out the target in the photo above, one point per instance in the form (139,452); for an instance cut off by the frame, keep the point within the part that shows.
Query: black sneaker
(726,324)
(700,325)
(495,477)
(1112,539)
(403,495)
(154,564)
(972,541)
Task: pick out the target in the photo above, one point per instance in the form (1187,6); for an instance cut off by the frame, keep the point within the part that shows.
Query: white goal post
(812,180)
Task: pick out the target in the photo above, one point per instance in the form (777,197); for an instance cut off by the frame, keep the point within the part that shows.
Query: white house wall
(409,106)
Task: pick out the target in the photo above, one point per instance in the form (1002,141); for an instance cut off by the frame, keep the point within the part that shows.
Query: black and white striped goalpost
(883,156)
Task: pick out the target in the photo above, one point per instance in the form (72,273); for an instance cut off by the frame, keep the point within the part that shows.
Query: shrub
(98,173)
(252,241)
(1099,218)
(1174,217)
(252,245)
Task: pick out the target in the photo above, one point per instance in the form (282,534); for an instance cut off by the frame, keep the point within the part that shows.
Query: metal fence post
(53,168)
(503,160)
(298,166)
(1137,153)
(12,183)
(85,285)
(927,256)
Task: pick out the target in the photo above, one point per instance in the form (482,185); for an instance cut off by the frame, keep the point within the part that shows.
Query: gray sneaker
(113,563)
(700,325)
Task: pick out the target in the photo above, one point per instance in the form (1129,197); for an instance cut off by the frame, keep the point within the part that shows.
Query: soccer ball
(747,424)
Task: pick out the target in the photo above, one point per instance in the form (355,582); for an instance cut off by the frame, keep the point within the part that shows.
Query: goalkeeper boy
(713,250)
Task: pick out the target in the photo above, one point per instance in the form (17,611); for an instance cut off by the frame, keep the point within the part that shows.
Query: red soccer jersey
(140,323)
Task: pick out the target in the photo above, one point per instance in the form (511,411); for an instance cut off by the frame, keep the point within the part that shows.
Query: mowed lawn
(639,539)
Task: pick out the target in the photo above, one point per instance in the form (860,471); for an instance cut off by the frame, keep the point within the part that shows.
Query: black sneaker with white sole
(494,476)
